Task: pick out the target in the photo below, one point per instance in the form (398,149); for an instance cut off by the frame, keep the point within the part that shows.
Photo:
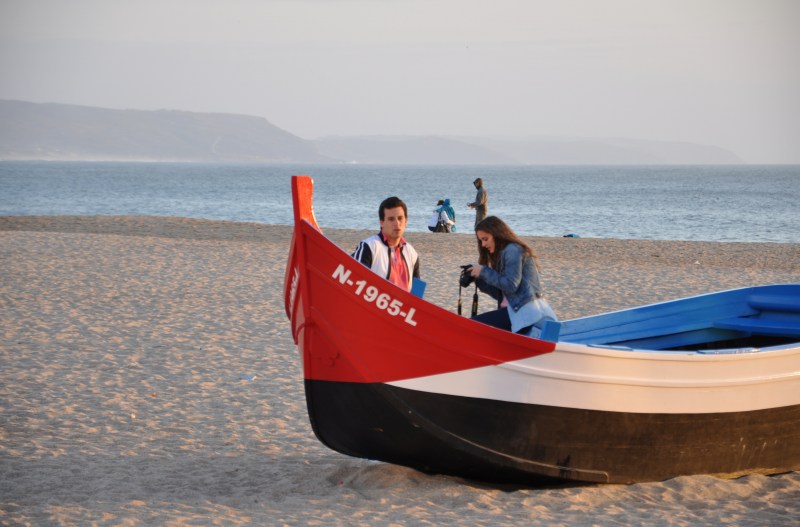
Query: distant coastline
(65,132)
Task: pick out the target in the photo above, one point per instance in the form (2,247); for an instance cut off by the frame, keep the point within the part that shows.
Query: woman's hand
(475,270)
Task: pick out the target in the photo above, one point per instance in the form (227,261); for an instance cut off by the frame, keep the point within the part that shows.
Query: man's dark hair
(391,203)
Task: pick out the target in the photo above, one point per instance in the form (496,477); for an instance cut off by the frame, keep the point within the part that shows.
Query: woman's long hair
(503,235)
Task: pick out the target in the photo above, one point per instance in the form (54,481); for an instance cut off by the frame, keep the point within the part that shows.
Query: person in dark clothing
(481,203)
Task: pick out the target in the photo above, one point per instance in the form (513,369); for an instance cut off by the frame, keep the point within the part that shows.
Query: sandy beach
(148,377)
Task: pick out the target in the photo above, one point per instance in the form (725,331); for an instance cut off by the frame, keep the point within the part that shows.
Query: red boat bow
(388,334)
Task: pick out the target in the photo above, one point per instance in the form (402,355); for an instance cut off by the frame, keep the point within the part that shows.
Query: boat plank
(761,326)
(775,303)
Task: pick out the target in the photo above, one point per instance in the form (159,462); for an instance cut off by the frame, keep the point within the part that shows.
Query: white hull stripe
(635,382)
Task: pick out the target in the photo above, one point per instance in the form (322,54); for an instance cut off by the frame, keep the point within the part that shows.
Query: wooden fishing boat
(702,385)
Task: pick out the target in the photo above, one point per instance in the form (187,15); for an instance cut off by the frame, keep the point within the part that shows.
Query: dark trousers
(499,319)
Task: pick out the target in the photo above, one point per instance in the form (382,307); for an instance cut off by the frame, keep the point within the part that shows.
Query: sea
(732,203)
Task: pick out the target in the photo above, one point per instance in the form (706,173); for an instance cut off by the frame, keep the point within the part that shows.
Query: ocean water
(709,203)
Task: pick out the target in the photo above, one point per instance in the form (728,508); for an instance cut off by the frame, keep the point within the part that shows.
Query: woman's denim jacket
(516,278)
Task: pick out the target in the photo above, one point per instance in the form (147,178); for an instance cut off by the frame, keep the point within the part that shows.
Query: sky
(714,72)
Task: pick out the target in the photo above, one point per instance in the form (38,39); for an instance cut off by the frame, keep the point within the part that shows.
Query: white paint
(577,376)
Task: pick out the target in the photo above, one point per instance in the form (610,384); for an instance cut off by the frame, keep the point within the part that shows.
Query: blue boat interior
(738,320)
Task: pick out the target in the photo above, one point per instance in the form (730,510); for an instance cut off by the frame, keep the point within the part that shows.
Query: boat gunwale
(536,371)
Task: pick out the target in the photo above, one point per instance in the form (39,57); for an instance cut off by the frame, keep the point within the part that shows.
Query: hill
(513,151)
(404,150)
(68,132)
(606,151)
(50,131)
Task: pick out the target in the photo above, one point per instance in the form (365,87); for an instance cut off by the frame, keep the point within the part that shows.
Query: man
(481,201)
(387,253)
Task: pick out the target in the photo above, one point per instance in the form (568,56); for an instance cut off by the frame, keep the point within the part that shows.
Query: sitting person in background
(451,214)
(508,271)
(440,221)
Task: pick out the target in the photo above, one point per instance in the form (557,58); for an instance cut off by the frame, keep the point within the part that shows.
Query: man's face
(393,224)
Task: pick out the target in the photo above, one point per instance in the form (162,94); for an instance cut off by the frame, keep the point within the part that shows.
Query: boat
(702,385)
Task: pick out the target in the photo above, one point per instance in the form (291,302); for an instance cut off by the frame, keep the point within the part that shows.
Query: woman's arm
(508,278)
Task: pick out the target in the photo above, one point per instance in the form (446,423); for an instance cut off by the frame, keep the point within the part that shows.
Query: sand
(148,377)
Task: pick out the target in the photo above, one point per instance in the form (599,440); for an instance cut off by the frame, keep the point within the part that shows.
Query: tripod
(474,300)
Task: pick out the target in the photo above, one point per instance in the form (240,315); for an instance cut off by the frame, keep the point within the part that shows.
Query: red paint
(351,325)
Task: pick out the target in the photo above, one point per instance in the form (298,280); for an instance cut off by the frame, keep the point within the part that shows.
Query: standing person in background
(508,271)
(481,201)
(387,253)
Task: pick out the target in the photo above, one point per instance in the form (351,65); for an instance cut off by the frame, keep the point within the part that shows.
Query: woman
(508,270)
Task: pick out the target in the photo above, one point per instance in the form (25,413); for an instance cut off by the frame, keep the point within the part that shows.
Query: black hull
(499,441)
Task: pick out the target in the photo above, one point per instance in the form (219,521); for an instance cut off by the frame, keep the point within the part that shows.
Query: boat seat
(550,331)
(774,303)
(761,326)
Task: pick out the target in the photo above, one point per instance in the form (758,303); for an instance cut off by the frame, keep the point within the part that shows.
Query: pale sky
(716,72)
